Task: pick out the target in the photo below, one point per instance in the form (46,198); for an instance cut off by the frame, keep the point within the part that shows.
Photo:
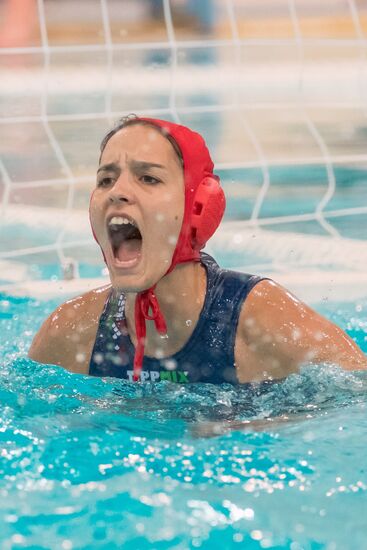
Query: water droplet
(170,364)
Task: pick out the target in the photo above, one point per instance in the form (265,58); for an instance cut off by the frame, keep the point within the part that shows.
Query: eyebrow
(111,167)
(136,165)
(143,165)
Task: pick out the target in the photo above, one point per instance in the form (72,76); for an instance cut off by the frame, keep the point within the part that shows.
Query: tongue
(128,250)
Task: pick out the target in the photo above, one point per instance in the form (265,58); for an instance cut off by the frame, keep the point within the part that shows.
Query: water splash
(87,462)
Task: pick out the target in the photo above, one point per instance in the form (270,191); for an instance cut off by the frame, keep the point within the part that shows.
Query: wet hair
(131,120)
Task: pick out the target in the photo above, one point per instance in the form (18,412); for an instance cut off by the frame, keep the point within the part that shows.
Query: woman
(170,312)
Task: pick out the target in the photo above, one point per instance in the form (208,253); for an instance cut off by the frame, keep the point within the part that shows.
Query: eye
(150,180)
(105,181)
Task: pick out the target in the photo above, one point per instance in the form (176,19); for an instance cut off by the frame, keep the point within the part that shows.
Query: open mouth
(125,239)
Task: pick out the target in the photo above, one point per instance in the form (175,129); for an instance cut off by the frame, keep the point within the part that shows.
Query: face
(137,207)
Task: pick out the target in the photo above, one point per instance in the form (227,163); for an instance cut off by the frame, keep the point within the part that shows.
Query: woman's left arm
(281,334)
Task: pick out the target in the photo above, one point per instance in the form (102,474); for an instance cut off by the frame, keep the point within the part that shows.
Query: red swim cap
(197,166)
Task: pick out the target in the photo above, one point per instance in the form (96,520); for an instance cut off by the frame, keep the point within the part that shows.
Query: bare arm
(45,347)
(56,343)
(280,334)
(215,428)
(67,336)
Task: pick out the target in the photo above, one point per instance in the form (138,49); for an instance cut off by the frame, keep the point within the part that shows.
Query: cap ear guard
(207,212)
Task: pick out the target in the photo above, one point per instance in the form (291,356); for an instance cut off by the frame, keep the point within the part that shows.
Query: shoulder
(279,333)
(78,313)
(84,308)
(272,310)
(270,306)
(70,330)
(272,331)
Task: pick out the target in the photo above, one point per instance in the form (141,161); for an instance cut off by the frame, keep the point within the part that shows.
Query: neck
(181,296)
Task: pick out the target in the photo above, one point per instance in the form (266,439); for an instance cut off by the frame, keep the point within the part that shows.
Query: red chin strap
(144,302)
(204,209)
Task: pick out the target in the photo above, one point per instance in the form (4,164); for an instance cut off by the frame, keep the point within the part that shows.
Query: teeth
(120,220)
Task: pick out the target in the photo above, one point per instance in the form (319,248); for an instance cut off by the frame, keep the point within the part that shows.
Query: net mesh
(276,87)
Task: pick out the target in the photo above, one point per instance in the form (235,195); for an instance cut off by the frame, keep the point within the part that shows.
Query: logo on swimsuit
(158,376)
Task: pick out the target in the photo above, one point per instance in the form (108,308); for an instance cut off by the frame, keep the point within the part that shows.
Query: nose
(122,190)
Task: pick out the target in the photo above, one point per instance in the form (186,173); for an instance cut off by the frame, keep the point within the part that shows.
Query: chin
(128,283)
(135,282)
(131,282)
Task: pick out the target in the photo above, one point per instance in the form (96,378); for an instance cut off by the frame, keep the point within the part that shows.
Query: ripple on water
(88,463)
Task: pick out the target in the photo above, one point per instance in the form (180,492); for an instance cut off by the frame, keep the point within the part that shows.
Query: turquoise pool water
(90,463)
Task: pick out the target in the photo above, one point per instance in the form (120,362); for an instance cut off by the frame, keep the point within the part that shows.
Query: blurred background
(277,87)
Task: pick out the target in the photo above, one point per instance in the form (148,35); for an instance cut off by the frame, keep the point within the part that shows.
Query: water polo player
(170,312)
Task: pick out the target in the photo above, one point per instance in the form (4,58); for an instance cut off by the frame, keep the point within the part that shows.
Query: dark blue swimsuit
(208,355)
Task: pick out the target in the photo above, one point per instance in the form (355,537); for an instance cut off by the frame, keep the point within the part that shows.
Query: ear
(207,212)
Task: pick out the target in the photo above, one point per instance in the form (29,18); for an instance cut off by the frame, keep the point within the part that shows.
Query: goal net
(276,87)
